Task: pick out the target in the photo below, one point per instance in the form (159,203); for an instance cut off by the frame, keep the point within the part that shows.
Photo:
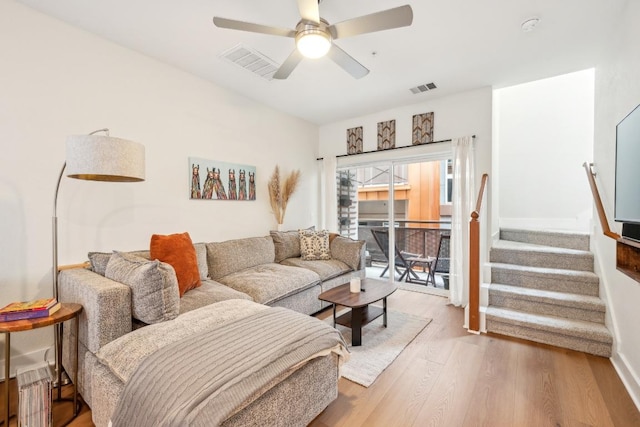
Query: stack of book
(34,396)
(29,309)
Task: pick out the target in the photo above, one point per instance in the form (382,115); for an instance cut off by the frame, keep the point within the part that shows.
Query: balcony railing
(417,237)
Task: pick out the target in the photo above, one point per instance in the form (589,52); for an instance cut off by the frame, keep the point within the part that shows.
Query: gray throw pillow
(99,260)
(287,243)
(347,250)
(154,287)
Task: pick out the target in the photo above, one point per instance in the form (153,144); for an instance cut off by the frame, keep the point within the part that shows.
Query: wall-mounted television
(627,189)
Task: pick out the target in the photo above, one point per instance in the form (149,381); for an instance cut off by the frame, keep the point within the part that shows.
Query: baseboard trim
(484,294)
(483,321)
(626,374)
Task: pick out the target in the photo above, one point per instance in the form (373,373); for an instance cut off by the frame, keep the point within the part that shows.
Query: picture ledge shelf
(390,149)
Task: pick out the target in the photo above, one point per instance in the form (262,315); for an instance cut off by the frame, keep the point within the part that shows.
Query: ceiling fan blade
(254,28)
(309,10)
(288,65)
(347,62)
(387,19)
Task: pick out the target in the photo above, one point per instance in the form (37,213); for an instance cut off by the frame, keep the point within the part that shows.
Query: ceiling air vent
(423,88)
(251,60)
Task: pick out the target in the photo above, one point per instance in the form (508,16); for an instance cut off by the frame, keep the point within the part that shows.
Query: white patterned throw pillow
(314,245)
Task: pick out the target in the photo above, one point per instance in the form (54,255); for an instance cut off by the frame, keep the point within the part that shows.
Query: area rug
(380,345)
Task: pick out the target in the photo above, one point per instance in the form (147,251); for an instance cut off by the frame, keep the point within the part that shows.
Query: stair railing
(474,260)
(604,223)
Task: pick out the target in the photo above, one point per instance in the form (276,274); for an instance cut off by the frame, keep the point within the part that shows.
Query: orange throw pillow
(177,250)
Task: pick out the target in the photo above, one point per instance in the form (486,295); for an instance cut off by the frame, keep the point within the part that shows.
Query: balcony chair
(441,264)
(402,260)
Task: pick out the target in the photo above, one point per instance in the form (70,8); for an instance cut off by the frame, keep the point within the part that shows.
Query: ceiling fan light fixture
(313,43)
(314,36)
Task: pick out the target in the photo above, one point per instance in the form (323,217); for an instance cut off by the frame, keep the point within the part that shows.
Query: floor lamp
(95,158)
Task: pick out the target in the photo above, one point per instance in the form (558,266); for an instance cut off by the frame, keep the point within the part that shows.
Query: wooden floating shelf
(628,258)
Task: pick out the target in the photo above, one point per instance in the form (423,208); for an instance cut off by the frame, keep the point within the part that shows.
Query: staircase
(544,289)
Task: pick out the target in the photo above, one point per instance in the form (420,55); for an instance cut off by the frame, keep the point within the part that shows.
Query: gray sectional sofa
(264,270)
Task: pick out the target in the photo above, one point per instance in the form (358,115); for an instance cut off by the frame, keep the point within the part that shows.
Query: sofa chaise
(238,278)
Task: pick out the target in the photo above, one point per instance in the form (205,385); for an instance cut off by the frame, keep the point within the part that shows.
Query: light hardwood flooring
(448,377)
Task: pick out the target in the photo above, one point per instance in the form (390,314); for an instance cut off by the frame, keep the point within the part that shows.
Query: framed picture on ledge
(386,135)
(422,130)
(354,140)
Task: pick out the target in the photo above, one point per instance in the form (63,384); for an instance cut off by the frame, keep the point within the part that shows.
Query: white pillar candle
(355,284)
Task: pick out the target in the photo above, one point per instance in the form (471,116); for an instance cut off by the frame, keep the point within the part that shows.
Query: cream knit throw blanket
(203,379)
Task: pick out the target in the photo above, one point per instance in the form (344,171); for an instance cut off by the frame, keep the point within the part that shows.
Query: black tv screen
(627,190)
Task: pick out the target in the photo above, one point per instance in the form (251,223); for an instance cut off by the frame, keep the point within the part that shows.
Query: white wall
(467,113)
(617,93)
(544,133)
(57,81)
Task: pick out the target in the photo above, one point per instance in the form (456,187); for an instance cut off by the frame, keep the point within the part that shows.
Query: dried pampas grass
(280,193)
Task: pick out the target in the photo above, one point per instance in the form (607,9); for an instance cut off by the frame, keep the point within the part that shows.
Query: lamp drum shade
(104,158)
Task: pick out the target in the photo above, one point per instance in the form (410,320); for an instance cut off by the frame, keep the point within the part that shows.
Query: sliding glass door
(401,209)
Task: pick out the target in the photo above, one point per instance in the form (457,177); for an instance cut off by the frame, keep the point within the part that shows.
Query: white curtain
(462,206)
(328,195)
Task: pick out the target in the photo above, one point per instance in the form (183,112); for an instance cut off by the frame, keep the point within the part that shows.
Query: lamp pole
(57,337)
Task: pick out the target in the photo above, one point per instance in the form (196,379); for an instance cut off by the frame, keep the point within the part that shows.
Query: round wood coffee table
(361,312)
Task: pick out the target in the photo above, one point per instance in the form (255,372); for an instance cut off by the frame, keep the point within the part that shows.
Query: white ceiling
(457,44)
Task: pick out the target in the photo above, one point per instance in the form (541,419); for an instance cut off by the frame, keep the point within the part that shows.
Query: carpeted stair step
(508,252)
(588,337)
(549,279)
(535,301)
(543,289)
(559,239)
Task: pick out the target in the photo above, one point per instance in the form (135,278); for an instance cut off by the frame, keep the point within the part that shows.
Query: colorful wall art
(216,180)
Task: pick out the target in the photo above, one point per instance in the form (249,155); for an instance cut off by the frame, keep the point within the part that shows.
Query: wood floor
(448,377)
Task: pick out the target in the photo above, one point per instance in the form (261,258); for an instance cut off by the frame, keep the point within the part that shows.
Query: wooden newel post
(474,261)
(474,273)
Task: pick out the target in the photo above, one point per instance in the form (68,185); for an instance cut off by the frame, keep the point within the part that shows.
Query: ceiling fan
(314,36)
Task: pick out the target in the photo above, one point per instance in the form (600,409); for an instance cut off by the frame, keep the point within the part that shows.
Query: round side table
(66,312)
